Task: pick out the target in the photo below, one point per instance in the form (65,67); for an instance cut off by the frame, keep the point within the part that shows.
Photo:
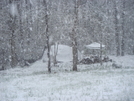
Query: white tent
(64,53)
(95,45)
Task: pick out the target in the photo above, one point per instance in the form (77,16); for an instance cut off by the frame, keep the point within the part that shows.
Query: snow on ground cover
(125,61)
(74,86)
(90,83)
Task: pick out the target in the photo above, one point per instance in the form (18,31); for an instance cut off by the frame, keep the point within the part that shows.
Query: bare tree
(47,36)
(123,29)
(77,3)
(12,25)
(74,37)
(101,48)
(116,29)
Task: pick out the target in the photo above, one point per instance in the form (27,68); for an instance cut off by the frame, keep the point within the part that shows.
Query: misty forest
(76,50)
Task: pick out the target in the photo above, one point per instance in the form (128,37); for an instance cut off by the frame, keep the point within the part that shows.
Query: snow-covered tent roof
(94,45)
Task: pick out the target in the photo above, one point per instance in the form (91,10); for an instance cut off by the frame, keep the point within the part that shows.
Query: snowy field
(90,83)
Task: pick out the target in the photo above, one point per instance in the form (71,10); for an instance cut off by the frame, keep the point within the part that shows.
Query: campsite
(92,82)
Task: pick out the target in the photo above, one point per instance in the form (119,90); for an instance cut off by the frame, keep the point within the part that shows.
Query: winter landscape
(66,50)
(89,83)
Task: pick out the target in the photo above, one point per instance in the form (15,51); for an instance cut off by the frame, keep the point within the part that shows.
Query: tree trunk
(3,60)
(101,50)
(13,53)
(116,31)
(48,52)
(21,34)
(123,30)
(12,25)
(74,50)
(47,37)
(74,38)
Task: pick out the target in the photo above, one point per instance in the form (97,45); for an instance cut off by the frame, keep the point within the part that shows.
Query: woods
(66,50)
(29,27)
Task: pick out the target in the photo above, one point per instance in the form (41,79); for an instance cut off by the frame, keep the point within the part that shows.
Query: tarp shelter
(95,48)
(95,45)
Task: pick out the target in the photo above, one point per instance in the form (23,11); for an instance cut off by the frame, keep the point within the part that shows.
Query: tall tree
(116,29)
(21,35)
(123,28)
(47,36)
(12,25)
(74,37)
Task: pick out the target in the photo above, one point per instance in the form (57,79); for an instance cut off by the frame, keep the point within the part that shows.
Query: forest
(29,27)
(67,50)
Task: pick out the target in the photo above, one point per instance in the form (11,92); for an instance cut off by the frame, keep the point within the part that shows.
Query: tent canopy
(95,45)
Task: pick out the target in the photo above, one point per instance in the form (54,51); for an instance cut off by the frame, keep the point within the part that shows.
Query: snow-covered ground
(90,83)
(125,61)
